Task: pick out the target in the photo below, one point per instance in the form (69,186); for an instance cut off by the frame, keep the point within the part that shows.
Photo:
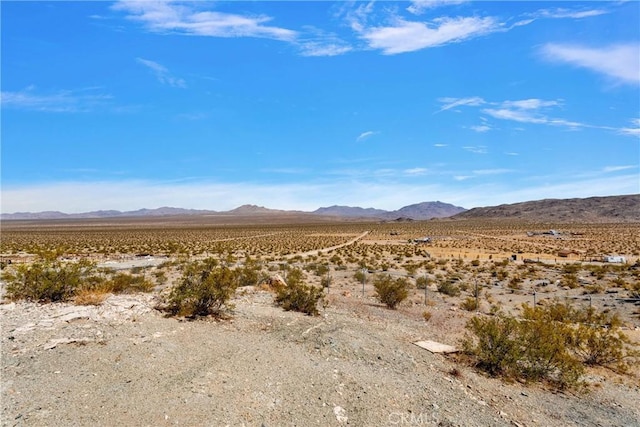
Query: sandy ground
(123,363)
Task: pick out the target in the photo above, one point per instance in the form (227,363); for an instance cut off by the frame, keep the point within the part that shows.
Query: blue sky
(297,105)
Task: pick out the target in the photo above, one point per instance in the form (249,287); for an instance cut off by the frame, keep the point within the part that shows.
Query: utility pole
(426,287)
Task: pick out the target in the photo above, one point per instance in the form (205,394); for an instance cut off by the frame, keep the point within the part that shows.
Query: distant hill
(427,210)
(593,209)
(350,211)
(419,211)
(164,211)
(255,210)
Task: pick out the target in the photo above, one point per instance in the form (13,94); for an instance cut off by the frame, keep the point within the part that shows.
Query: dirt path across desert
(330,248)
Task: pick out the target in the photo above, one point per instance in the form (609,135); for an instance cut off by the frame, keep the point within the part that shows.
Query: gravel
(124,363)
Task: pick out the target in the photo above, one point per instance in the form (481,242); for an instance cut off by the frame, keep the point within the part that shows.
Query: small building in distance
(614,259)
(422,240)
(566,252)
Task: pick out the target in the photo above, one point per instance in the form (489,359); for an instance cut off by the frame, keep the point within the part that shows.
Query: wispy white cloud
(366,135)
(618,168)
(189,18)
(324,48)
(523,111)
(416,171)
(476,149)
(481,128)
(317,42)
(530,104)
(286,171)
(561,13)
(402,36)
(418,7)
(162,73)
(634,130)
(569,13)
(449,103)
(497,171)
(59,101)
(440,145)
(619,62)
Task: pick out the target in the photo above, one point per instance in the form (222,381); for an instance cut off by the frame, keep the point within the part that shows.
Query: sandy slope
(124,364)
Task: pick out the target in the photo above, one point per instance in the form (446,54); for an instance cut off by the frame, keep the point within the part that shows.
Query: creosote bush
(54,281)
(390,291)
(448,288)
(297,296)
(204,290)
(550,344)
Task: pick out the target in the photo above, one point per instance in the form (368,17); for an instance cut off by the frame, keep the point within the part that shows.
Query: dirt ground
(124,363)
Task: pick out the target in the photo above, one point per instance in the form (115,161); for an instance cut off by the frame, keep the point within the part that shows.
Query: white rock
(341,414)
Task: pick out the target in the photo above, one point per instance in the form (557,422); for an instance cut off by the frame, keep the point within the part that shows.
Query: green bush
(360,276)
(422,282)
(448,288)
(49,281)
(551,344)
(469,304)
(389,291)
(126,283)
(297,296)
(204,290)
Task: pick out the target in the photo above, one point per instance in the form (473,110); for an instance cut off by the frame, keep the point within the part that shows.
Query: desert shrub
(469,304)
(502,274)
(515,283)
(299,297)
(49,281)
(448,288)
(248,275)
(326,280)
(494,344)
(127,283)
(570,280)
(161,277)
(551,343)
(422,282)
(360,276)
(204,290)
(90,296)
(599,340)
(426,315)
(389,291)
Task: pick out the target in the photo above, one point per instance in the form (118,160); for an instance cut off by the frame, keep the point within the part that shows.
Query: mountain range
(624,208)
(419,211)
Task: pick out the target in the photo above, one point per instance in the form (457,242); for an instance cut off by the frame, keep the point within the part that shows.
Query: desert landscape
(109,356)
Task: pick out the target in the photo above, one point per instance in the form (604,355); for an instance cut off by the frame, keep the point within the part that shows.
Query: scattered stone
(341,414)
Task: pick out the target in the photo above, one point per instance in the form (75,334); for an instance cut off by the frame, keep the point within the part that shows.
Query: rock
(341,414)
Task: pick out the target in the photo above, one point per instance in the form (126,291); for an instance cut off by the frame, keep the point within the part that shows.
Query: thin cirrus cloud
(418,7)
(60,101)
(167,17)
(449,103)
(608,169)
(365,135)
(162,73)
(569,13)
(532,110)
(408,36)
(631,131)
(481,128)
(619,62)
